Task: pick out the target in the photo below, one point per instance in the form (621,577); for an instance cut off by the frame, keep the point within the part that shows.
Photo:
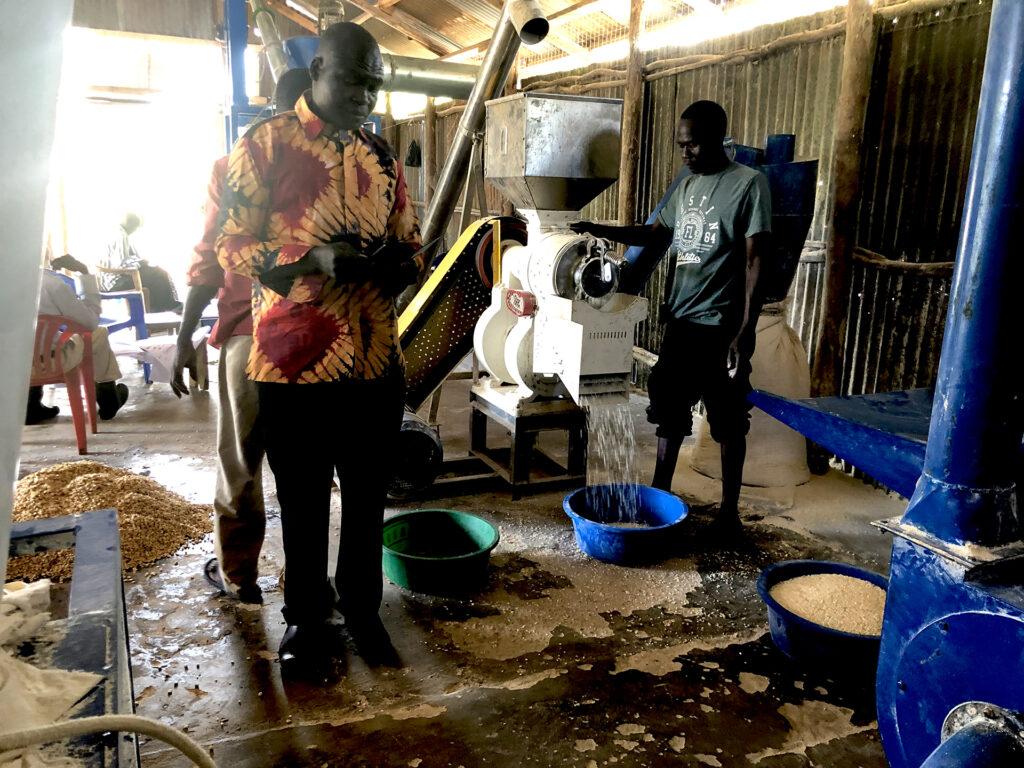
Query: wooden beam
(704,6)
(388,123)
(491,16)
(409,26)
(854,88)
(561,17)
(576,9)
(279,6)
(632,112)
(429,151)
(387,3)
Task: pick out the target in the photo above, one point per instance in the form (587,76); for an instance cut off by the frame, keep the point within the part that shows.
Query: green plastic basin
(438,551)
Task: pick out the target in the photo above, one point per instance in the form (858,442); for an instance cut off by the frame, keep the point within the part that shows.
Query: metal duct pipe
(277,57)
(529,21)
(966,493)
(329,12)
(428,76)
(521,20)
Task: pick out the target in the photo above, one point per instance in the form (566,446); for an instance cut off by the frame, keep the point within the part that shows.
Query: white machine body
(557,324)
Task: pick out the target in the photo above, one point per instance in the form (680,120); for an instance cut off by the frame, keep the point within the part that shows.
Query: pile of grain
(154,522)
(834,601)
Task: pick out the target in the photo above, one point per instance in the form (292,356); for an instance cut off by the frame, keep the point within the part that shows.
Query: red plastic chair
(52,333)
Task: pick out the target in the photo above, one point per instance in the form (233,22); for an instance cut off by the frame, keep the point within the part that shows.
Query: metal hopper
(552,152)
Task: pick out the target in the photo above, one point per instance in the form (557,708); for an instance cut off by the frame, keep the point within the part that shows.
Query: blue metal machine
(950,683)
(236,33)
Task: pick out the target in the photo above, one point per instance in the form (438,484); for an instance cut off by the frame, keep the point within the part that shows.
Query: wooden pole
(855,84)
(429,151)
(632,111)
(387,125)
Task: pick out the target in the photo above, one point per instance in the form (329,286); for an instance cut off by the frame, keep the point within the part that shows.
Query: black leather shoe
(372,641)
(303,652)
(110,397)
(41,413)
(246,593)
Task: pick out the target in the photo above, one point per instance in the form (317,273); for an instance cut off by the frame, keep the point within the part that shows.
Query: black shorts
(692,366)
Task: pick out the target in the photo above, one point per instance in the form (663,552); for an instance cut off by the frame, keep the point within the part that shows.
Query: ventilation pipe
(428,76)
(521,21)
(329,12)
(403,73)
(277,56)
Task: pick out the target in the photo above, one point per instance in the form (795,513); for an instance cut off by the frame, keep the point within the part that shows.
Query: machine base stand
(522,464)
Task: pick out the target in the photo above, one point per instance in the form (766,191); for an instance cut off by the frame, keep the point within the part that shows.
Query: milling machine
(558,334)
(557,324)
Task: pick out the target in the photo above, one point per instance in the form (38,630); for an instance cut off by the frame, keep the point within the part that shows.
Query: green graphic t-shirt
(712,215)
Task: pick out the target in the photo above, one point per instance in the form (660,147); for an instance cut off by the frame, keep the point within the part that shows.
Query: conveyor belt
(436,329)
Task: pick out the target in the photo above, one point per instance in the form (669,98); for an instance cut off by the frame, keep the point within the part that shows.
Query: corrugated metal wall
(792,89)
(198,19)
(917,147)
(918,133)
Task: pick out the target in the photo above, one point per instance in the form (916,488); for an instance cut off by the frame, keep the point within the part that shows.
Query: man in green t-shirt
(717,220)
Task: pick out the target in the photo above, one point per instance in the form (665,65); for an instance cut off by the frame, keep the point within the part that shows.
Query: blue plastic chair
(136,318)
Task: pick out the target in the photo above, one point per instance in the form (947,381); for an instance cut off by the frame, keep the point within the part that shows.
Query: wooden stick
(917,6)
(279,6)
(632,114)
(574,79)
(457,109)
(429,151)
(855,85)
(657,70)
(877,260)
(406,24)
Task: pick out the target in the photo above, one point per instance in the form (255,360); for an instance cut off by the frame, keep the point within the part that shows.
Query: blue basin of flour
(594,514)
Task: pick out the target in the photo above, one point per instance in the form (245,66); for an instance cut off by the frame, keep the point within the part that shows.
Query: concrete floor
(562,661)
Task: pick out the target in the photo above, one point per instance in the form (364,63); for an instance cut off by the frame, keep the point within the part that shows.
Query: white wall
(31,43)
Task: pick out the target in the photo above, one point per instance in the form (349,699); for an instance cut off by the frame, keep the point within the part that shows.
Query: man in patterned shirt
(315,210)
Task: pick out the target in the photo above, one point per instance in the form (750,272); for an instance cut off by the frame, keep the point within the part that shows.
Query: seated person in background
(121,254)
(56,297)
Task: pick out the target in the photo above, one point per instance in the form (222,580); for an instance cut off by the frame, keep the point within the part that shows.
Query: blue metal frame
(236,32)
(954,618)
(883,435)
(947,638)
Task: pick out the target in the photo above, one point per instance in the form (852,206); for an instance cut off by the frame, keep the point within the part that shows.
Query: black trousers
(692,366)
(313,430)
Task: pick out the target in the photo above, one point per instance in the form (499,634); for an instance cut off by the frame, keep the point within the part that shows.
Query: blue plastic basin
(660,512)
(807,642)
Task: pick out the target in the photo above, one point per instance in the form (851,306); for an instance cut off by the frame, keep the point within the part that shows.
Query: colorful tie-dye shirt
(295,182)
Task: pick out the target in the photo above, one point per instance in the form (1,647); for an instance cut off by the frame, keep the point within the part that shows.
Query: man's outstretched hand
(184,357)
(582,227)
(70,263)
